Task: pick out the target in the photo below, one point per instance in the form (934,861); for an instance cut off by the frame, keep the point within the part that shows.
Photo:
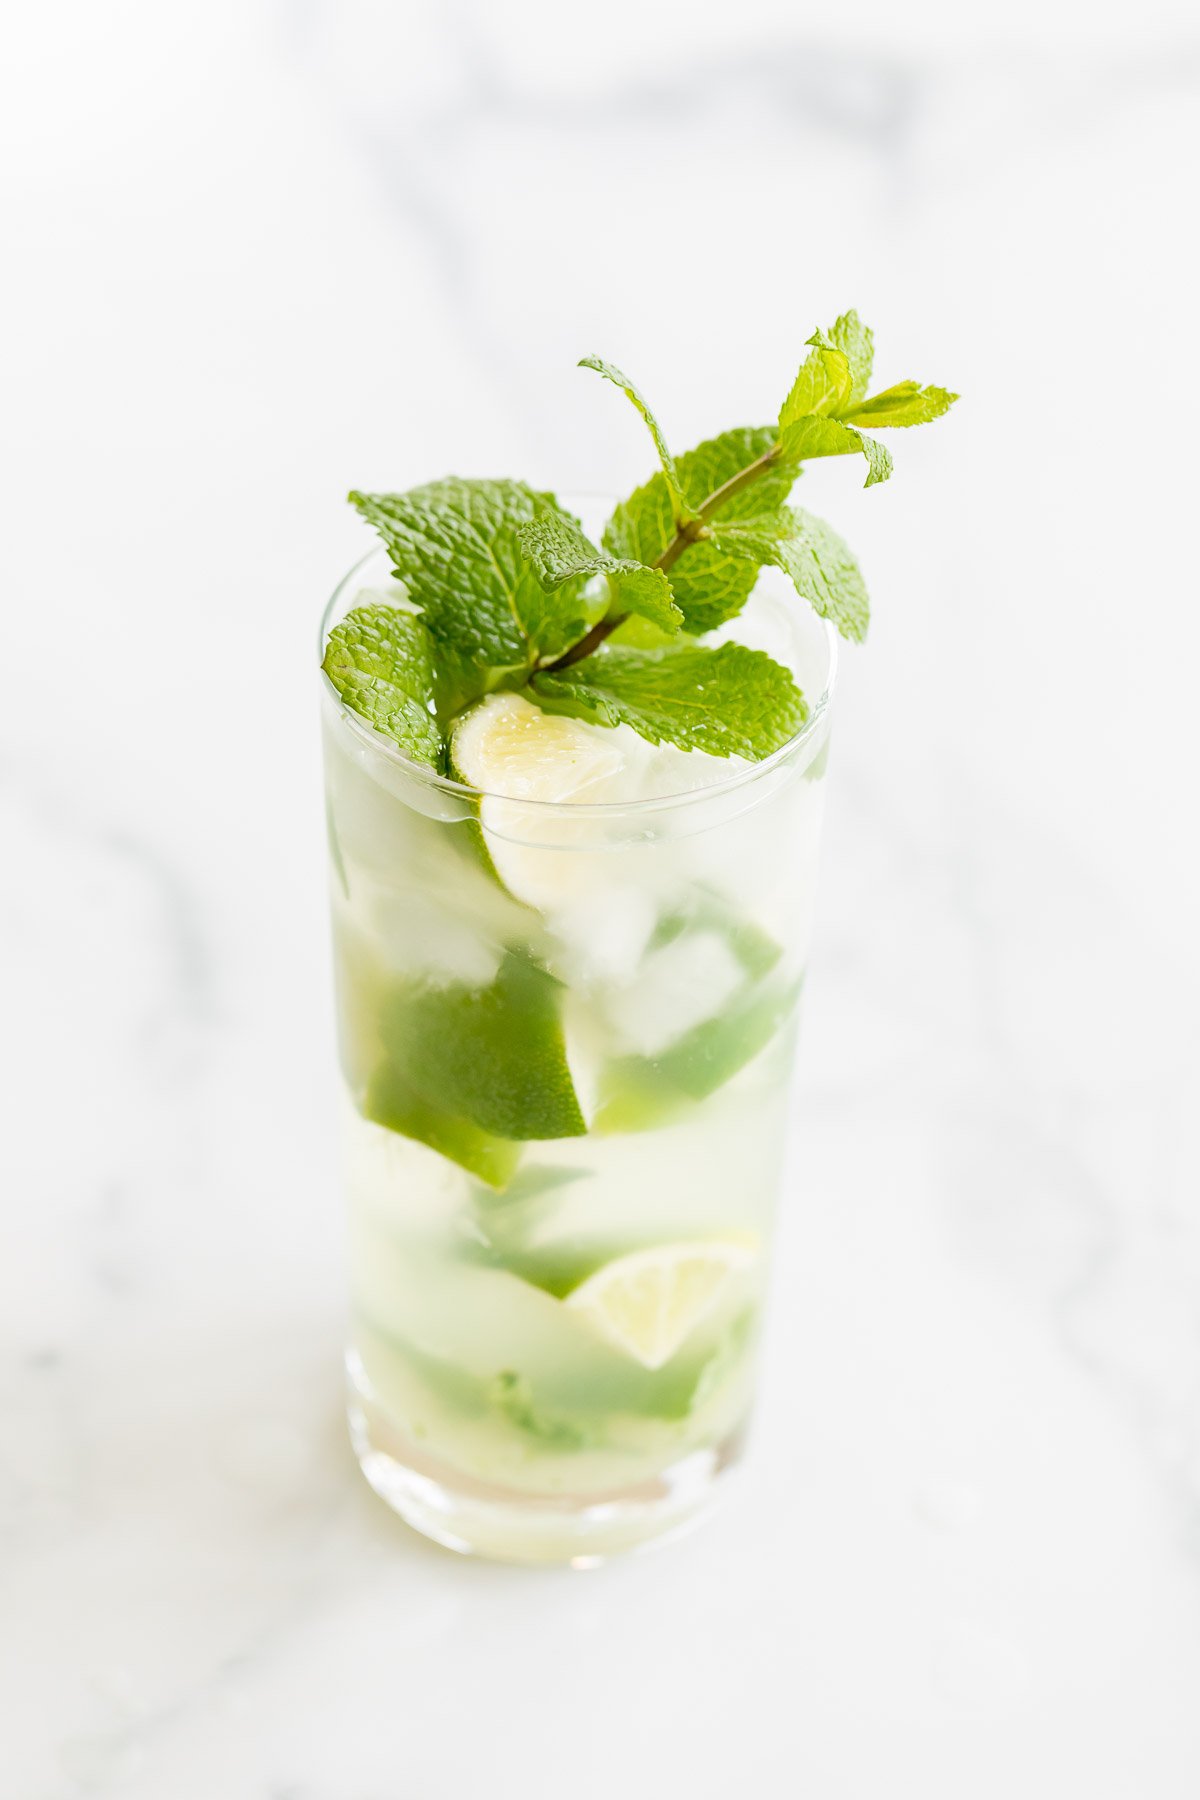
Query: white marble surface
(261,251)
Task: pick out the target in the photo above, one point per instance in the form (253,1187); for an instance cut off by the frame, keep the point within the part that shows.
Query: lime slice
(506,745)
(649,1302)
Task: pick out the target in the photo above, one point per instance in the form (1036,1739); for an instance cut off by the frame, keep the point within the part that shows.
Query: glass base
(478,1518)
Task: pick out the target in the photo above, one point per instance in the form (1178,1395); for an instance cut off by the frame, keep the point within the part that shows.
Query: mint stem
(720,496)
(687,531)
(586,644)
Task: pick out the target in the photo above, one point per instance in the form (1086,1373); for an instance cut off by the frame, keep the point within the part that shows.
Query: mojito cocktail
(574,798)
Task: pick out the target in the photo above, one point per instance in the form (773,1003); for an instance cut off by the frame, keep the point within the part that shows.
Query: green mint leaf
(708,584)
(816,559)
(646,592)
(730,702)
(856,341)
(807,437)
(455,545)
(879,458)
(559,549)
(908,403)
(670,472)
(560,552)
(380,660)
(493,1057)
(822,385)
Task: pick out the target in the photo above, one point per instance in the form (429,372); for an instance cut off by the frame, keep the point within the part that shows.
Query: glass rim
(463,791)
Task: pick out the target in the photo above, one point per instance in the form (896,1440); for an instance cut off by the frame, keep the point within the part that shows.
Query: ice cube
(602,933)
(668,770)
(416,933)
(677,987)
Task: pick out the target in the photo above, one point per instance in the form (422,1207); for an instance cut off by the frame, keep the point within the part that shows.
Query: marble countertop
(267,251)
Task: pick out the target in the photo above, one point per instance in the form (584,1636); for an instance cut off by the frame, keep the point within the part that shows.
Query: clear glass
(553,1336)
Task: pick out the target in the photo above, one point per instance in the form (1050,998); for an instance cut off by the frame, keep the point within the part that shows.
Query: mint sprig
(826,403)
(504,579)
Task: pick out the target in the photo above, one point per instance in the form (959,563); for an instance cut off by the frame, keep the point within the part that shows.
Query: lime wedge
(641,1093)
(705,1058)
(492,1056)
(391,1101)
(513,752)
(649,1302)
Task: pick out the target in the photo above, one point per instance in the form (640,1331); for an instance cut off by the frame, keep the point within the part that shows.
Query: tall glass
(566,1035)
